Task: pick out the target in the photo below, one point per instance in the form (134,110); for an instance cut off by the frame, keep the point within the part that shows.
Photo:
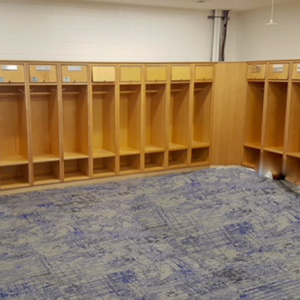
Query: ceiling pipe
(217,17)
(220,18)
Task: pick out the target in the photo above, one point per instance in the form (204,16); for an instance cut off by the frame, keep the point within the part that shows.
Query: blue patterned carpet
(213,234)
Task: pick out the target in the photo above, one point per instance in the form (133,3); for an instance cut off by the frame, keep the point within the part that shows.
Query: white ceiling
(235,5)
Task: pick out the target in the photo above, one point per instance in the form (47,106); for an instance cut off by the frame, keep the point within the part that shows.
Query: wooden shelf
(100,92)
(293,169)
(153,149)
(98,153)
(293,138)
(178,122)
(252,145)
(104,114)
(248,165)
(76,169)
(278,149)
(74,155)
(200,156)
(272,162)
(13,161)
(152,91)
(201,122)
(13,184)
(251,158)
(75,122)
(45,158)
(130,120)
(254,113)
(154,161)
(45,179)
(74,176)
(174,146)
(46,172)
(275,117)
(14,126)
(14,177)
(177,158)
(130,164)
(155,117)
(293,154)
(196,144)
(104,167)
(128,151)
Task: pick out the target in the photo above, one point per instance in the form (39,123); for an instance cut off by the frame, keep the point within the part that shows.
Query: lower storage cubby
(293,169)
(14,176)
(200,156)
(46,173)
(272,163)
(103,167)
(251,158)
(154,161)
(130,163)
(177,158)
(76,169)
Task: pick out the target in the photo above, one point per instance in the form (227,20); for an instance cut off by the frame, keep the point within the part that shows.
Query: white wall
(257,41)
(55,30)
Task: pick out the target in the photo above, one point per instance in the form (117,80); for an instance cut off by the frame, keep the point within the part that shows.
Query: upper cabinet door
(43,73)
(296,71)
(204,72)
(74,74)
(256,71)
(278,71)
(103,73)
(130,73)
(156,73)
(179,73)
(11,73)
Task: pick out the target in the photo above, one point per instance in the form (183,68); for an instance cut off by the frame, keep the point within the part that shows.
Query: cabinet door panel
(11,73)
(130,73)
(74,74)
(181,73)
(296,72)
(104,73)
(278,71)
(156,73)
(204,72)
(256,71)
(43,73)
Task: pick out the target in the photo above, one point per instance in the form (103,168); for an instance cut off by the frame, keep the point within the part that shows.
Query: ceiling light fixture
(271,22)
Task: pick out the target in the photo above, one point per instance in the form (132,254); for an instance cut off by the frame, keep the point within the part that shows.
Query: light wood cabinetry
(181,73)
(74,73)
(12,73)
(278,71)
(256,71)
(204,73)
(62,122)
(132,73)
(156,73)
(43,73)
(103,73)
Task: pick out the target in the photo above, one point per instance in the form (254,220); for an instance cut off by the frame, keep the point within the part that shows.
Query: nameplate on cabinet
(43,68)
(9,68)
(255,69)
(75,68)
(67,79)
(34,79)
(278,68)
(298,68)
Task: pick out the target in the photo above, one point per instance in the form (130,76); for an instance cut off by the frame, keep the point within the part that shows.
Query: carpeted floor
(212,234)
